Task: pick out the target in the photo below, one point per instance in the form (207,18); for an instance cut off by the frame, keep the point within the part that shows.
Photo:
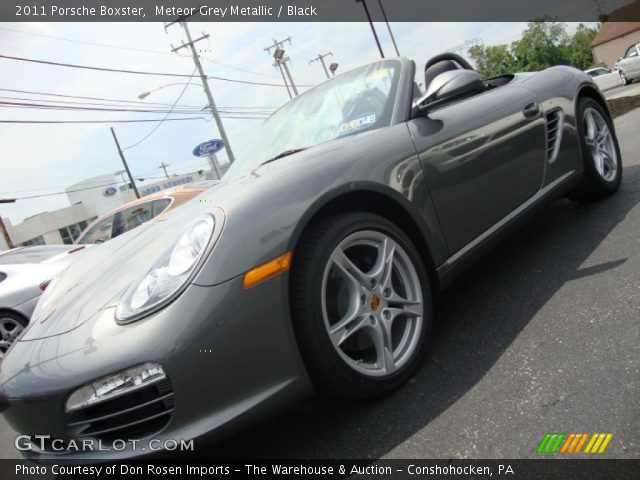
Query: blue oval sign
(110,191)
(208,148)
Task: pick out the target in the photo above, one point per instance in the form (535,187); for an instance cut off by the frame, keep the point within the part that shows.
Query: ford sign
(110,191)
(208,148)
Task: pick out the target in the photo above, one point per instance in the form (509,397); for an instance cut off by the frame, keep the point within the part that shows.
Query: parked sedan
(313,264)
(24,274)
(604,78)
(629,65)
(133,214)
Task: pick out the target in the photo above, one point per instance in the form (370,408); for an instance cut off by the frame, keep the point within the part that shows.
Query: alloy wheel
(599,140)
(10,328)
(372,303)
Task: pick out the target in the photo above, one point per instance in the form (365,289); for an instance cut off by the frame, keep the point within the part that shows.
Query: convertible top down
(313,263)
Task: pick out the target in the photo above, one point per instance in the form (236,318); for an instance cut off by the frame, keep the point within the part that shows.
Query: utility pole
(164,167)
(321,59)
(386,20)
(196,59)
(280,60)
(284,79)
(373,29)
(124,162)
(3,228)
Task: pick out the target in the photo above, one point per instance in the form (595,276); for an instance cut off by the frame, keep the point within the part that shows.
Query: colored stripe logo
(573,443)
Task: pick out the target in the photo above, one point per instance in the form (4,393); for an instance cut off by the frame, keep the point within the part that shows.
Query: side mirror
(449,86)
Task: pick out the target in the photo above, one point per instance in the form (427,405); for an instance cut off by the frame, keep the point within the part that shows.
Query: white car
(629,65)
(604,78)
(25,273)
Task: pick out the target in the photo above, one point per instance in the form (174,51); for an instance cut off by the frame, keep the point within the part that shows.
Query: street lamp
(144,95)
(278,54)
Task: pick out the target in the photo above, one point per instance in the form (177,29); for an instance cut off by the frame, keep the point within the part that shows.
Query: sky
(40,159)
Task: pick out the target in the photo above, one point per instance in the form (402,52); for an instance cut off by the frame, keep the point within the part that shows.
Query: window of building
(70,233)
(34,241)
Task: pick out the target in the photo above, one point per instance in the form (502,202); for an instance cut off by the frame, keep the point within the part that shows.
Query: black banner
(317,10)
(328,469)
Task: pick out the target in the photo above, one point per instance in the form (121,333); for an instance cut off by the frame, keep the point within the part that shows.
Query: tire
(392,314)
(11,324)
(623,78)
(602,162)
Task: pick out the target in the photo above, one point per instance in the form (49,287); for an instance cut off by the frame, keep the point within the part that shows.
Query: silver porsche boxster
(312,265)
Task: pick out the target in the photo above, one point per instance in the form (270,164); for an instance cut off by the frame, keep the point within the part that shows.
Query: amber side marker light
(267,270)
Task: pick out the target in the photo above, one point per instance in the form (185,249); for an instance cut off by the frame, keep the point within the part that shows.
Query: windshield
(354,102)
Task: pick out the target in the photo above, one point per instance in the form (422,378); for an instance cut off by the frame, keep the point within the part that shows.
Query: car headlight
(115,385)
(169,273)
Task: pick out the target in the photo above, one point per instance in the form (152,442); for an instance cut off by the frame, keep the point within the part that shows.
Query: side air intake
(555,120)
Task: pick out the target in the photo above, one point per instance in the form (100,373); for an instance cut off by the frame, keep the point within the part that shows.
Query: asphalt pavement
(542,335)
(623,91)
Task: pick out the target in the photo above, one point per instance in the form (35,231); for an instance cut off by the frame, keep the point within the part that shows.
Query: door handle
(531,110)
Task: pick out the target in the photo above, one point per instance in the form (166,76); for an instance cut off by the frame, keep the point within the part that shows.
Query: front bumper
(229,354)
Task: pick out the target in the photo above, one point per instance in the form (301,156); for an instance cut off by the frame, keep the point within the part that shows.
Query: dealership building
(88,200)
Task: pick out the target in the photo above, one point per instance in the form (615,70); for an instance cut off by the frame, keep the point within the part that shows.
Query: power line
(137,72)
(86,67)
(63,193)
(85,103)
(137,102)
(133,49)
(199,166)
(211,60)
(184,89)
(51,94)
(107,108)
(84,42)
(101,121)
(92,109)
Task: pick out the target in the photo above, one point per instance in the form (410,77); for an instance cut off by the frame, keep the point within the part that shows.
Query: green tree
(543,44)
(580,55)
(493,60)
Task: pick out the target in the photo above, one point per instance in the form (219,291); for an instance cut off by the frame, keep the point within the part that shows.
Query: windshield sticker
(358,122)
(381,72)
